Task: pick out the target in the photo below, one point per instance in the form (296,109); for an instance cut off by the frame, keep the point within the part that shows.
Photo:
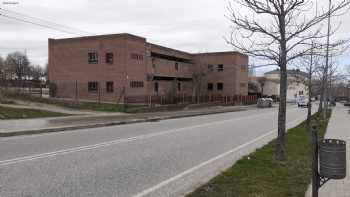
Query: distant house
(296,84)
(255,85)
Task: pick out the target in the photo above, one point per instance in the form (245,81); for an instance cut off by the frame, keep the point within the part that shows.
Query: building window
(136,84)
(210,86)
(156,87)
(93,58)
(179,86)
(92,86)
(109,86)
(243,85)
(220,68)
(109,58)
(244,67)
(176,66)
(301,92)
(220,86)
(210,68)
(136,56)
(153,63)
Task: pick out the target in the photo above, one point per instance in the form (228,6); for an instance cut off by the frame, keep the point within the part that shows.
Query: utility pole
(327,64)
(310,86)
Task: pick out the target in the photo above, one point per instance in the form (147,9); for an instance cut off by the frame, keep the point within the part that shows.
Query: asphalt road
(165,158)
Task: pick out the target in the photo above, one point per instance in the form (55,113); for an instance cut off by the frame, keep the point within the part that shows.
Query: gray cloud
(190,25)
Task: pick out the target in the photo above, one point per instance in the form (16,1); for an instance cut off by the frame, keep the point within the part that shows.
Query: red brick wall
(70,71)
(231,77)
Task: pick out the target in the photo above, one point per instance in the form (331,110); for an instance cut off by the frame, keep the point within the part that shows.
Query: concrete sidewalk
(44,125)
(338,128)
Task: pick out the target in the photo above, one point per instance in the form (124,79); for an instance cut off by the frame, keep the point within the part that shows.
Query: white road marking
(115,142)
(197,167)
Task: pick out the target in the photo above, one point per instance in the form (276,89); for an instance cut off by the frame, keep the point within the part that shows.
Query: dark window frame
(137,84)
(211,68)
(93,86)
(156,87)
(136,56)
(109,58)
(220,86)
(179,86)
(153,63)
(177,66)
(109,86)
(92,57)
(220,68)
(210,87)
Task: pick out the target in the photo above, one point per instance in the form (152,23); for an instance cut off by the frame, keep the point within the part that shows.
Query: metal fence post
(99,93)
(76,90)
(41,90)
(315,174)
(183,98)
(150,101)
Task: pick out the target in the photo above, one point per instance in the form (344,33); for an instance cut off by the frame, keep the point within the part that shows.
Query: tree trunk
(309,107)
(327,64)
(280,156)
(282,115)
(320,107)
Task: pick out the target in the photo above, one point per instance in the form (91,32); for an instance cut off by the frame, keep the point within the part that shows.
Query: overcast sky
(189,25)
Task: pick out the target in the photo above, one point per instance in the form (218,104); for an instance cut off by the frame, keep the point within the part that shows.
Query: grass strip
(260,175)
(81,105)
(20,113)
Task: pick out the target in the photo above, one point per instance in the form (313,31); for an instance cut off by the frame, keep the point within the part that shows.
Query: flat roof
(128,35)
(221,53)
(169,49)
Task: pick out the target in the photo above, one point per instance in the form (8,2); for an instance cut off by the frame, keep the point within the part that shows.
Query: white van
(303,101)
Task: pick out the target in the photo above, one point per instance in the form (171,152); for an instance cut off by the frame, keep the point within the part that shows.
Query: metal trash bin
(332,158)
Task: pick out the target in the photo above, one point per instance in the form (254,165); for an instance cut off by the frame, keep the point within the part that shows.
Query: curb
(115,123)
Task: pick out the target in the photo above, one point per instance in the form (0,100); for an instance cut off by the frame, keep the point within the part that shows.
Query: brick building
(125,67)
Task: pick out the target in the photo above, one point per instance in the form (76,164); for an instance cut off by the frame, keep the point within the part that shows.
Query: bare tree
(9,69)
(277,31)
(323,70)
(2,74)
(19,63)
(336,78)
(37,72)
(199,75)
(310,64)
(2,68)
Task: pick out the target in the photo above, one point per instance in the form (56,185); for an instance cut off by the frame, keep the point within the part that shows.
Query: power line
(46,21)
(41,25)
(52,26)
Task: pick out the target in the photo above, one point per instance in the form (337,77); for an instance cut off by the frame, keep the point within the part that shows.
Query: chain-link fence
(185,99)
(35,88)
(113,92)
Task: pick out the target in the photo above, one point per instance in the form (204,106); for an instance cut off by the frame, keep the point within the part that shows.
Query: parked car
(265,102)
(333,103)
(303,102)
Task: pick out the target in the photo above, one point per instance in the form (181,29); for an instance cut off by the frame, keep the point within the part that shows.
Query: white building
(296,84)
